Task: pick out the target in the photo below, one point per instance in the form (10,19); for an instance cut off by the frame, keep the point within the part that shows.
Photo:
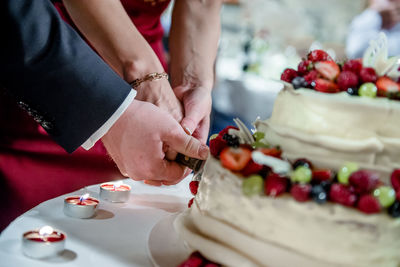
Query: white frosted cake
(317,184)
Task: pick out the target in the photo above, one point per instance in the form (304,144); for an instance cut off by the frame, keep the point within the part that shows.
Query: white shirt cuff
(110,122)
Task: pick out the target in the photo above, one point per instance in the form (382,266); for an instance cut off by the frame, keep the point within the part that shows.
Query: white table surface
(117,236)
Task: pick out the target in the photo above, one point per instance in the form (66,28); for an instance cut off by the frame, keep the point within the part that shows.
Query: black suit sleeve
(54,74)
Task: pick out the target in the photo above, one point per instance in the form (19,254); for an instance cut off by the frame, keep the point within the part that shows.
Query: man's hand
(139,139)
(197,109)
(389,11)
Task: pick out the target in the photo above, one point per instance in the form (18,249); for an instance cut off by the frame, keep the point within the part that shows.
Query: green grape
(258,136)
(253,185)
(368,90)
(345,172)
(259,144)
(301,174)
(386,196)
(213,137)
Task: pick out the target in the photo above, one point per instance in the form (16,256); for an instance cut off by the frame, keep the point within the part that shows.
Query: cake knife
(196,165)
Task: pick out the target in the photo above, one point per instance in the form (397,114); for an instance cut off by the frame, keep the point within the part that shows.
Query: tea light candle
(80,206)
(43,243)
(115,192)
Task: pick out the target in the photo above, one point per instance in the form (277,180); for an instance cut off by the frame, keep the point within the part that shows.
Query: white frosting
(308,234)
(330,129)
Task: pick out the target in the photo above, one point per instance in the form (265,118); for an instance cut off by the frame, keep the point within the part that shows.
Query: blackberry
(302,162)
(394,210)
(299,82)
(319,194)
(231,140)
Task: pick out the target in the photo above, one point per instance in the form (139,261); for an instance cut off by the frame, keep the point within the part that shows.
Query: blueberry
(319,194)
(352,91)
(326,185)
(231,140)
(394,210)
(299,82)
(302,162)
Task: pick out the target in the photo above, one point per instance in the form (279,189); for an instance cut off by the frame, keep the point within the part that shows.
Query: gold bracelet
(149,77)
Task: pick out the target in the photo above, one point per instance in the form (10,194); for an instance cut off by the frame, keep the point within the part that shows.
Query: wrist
(138,69)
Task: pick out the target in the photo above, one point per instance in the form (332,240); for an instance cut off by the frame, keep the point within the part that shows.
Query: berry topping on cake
(319,194)
(322,175)
(394,210)
(318,55)
(353,65)
(342,194)
(302,162)
(345,172)
(368,90)
(301,174)
(197,260)
(251,168)
(217,145)
(193,186)
(275,184)
(325,86)
(252,185)
(395,180)
(231,140)
(190,202)
(301,192)
(369,204)
(364,181)
(235,159)
(311,77)
(273,152)
(368,75)
(386,86)
(347,79)
(328,69)
(386,195)
(299,82)
(304,67)
(288,75)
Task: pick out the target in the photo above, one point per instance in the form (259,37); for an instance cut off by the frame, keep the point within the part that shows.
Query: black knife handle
(192,163)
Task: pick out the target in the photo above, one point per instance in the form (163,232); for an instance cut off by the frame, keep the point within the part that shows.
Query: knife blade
(196,165)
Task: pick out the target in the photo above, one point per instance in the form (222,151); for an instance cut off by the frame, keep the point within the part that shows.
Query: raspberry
(194,185)
(322,175)
(368,75)
(342,194)
(301,192)
(311,76)
(353,65)
(288,75)
(318,55)
(347,79)
(369,204)
(275,185)
(190,203)
(194,260)
(211,265)
(398,195)
(304,67)
(251,168)
(217,145)
(364,181)
(395,180)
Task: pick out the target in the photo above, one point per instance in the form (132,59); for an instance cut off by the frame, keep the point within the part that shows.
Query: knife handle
(192,163)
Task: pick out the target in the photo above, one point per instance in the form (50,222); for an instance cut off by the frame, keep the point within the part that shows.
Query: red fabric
(33,168)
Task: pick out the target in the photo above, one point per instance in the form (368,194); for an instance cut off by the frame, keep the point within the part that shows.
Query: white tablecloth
(117,236)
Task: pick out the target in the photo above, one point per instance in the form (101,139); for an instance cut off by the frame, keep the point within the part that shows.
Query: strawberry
(226,130)
(311,76)
(318,55)
(364,181)
(347,79)
(328,69)
(275,184)
(194,260)
(194,185)
(217,145)
(369,204)
(235,159)
(342,194)
(288,75)
(322,175)
(368,75)
(190,203)
(395,180)
(273,152)
(301,192)
(386,86)
(326,86)
(353,65)
(251,168)
(304,67)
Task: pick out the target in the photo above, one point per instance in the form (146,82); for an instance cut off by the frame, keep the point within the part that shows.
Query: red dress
(33,168)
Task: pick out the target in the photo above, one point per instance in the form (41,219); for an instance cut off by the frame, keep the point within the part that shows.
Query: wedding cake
(316,184)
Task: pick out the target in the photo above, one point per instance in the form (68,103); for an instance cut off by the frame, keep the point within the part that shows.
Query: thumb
(187,145)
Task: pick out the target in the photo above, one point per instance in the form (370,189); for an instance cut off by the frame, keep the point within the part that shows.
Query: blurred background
(260,38)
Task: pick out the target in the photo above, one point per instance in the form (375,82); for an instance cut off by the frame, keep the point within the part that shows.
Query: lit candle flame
(45,230)
(117,185)
(83,197)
